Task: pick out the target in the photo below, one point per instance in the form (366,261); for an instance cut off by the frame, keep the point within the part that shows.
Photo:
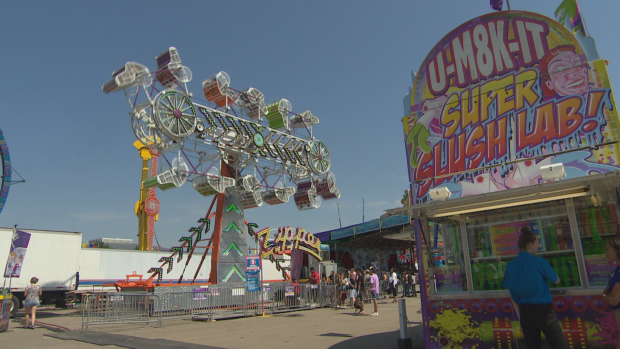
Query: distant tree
(100,244)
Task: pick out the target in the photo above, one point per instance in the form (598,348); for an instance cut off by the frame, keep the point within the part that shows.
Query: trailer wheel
(61,303)
(14,306)
(71,298)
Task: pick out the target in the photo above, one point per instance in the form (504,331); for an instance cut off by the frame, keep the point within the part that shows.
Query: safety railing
(115,308)
(214,302)
(177,305)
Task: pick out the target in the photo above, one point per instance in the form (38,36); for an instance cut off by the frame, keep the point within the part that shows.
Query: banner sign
(289,290)
(200,293)
(252,263)
(213,291)
(508,86)
(599,269)
(505,237)
(19,244)
(448,279)
(252,280)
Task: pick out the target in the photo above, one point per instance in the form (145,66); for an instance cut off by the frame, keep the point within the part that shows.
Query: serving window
(597,222)
(447,257)
(493,242)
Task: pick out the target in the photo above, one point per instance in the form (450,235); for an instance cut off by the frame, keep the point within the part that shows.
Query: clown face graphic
(564,72)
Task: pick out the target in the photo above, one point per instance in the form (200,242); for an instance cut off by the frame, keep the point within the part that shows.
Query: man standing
(374,289)
(315,278)
(409,283)
(526,277)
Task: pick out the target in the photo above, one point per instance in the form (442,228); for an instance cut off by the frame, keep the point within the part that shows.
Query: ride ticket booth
(493,145)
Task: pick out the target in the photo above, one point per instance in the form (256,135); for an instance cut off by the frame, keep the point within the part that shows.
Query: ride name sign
(287,240)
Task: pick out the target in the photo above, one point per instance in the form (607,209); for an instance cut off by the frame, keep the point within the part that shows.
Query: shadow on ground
(124,341)
(381,340)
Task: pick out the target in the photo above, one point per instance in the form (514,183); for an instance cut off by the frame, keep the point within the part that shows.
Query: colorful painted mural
(501,96)
(491,323)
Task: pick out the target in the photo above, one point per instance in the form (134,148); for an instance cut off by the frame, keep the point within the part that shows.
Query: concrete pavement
(318,328)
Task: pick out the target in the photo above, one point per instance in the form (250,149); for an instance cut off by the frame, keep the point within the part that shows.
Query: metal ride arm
(191,253)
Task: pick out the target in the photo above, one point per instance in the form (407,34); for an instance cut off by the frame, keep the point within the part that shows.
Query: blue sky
(349,62)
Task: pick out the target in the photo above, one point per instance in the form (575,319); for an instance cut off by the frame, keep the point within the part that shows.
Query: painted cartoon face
(568,75)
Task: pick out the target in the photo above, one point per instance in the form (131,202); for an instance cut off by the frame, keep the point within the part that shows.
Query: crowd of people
(356,287)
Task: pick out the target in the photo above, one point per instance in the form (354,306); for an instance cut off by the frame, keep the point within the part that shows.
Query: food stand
(512,122)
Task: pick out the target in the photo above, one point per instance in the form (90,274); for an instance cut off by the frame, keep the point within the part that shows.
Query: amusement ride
(234,147)
(5,181)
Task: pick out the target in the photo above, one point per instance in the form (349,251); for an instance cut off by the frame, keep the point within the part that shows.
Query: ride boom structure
(234,147)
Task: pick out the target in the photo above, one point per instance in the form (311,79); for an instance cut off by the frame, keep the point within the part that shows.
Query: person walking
(386,283)
(344,284)
(526,278)
(393,285)
(315,279)
(367,296)
(31,301)
(414,282)
(406,283)
(352,287)
(611,294)
(374,289)
(360,291)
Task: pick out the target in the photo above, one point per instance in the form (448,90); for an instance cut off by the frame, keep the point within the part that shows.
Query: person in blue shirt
(611,294)
(526,278)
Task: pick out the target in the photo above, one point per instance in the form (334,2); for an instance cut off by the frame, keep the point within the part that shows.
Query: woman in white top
(31,301)
(394,285)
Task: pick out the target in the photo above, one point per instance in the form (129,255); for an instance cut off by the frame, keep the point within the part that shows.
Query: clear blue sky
(349,62)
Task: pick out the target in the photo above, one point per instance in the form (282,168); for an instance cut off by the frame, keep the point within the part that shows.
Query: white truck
(52,256)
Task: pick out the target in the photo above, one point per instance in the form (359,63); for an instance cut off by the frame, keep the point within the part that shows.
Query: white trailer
(66,270)
(52,256)
(99,266)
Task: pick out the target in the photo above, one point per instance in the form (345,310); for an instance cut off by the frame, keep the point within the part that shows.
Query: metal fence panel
(185,304)
(114,308)
(212,302)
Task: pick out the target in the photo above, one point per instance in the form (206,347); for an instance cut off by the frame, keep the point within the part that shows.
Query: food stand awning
(377,233)
(569,188)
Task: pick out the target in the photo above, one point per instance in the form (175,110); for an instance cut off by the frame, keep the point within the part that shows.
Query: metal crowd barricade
(285,297)
(327,295)
(115,308)
(228,301)
(212,302)
(176,305)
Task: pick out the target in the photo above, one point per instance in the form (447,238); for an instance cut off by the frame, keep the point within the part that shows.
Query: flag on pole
(569,11)
(497,4)
(19,244)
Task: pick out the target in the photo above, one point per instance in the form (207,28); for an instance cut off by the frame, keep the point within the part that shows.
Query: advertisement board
(499,97)
(252,280)
(505,237)
(252,263)
(599,269)
(448,279)
(19,246)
